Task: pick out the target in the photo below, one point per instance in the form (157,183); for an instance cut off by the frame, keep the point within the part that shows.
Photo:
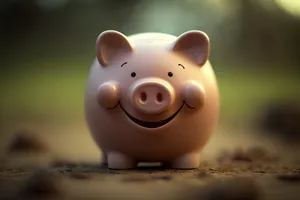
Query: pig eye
(170,74)
(133,74)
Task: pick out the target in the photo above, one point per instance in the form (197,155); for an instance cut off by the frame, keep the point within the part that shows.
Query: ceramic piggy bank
(151,97)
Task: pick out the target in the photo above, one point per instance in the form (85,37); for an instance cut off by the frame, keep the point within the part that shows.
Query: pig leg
(187,161)
(120,161)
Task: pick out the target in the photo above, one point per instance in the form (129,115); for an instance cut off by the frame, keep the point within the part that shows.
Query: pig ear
(111,44)
(194,45)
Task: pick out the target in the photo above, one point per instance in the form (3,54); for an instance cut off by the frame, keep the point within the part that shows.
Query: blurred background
(47,48)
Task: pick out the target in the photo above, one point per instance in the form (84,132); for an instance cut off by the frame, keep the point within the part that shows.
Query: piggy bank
(151,97)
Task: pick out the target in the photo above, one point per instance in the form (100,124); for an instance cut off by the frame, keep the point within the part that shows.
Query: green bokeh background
(48,47)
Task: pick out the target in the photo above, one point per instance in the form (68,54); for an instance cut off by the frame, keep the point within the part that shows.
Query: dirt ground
(54,161)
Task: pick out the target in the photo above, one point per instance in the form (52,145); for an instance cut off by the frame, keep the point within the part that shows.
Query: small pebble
(9,171)
(69,170)
(233,189)
(80,175)
(261,171)
(41,184)
(26,141)
(291,177)
(252,154)
(166,177)
(257,153)
(239,154)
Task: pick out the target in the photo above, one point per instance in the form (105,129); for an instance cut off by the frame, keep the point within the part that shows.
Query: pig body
(151,97)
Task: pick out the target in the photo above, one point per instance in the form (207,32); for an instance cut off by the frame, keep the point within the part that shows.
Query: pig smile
(157,124)
(147,124)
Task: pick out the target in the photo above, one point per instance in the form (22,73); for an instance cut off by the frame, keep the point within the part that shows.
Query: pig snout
(108,94)
(193,94)
(152,95)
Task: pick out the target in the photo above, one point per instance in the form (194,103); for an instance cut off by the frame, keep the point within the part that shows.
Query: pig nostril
(143,97)
(159,97)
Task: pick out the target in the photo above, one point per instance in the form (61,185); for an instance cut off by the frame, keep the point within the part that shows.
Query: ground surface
(92,181)
(42,165)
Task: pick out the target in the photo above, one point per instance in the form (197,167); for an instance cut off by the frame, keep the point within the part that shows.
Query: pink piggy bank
(152,97)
